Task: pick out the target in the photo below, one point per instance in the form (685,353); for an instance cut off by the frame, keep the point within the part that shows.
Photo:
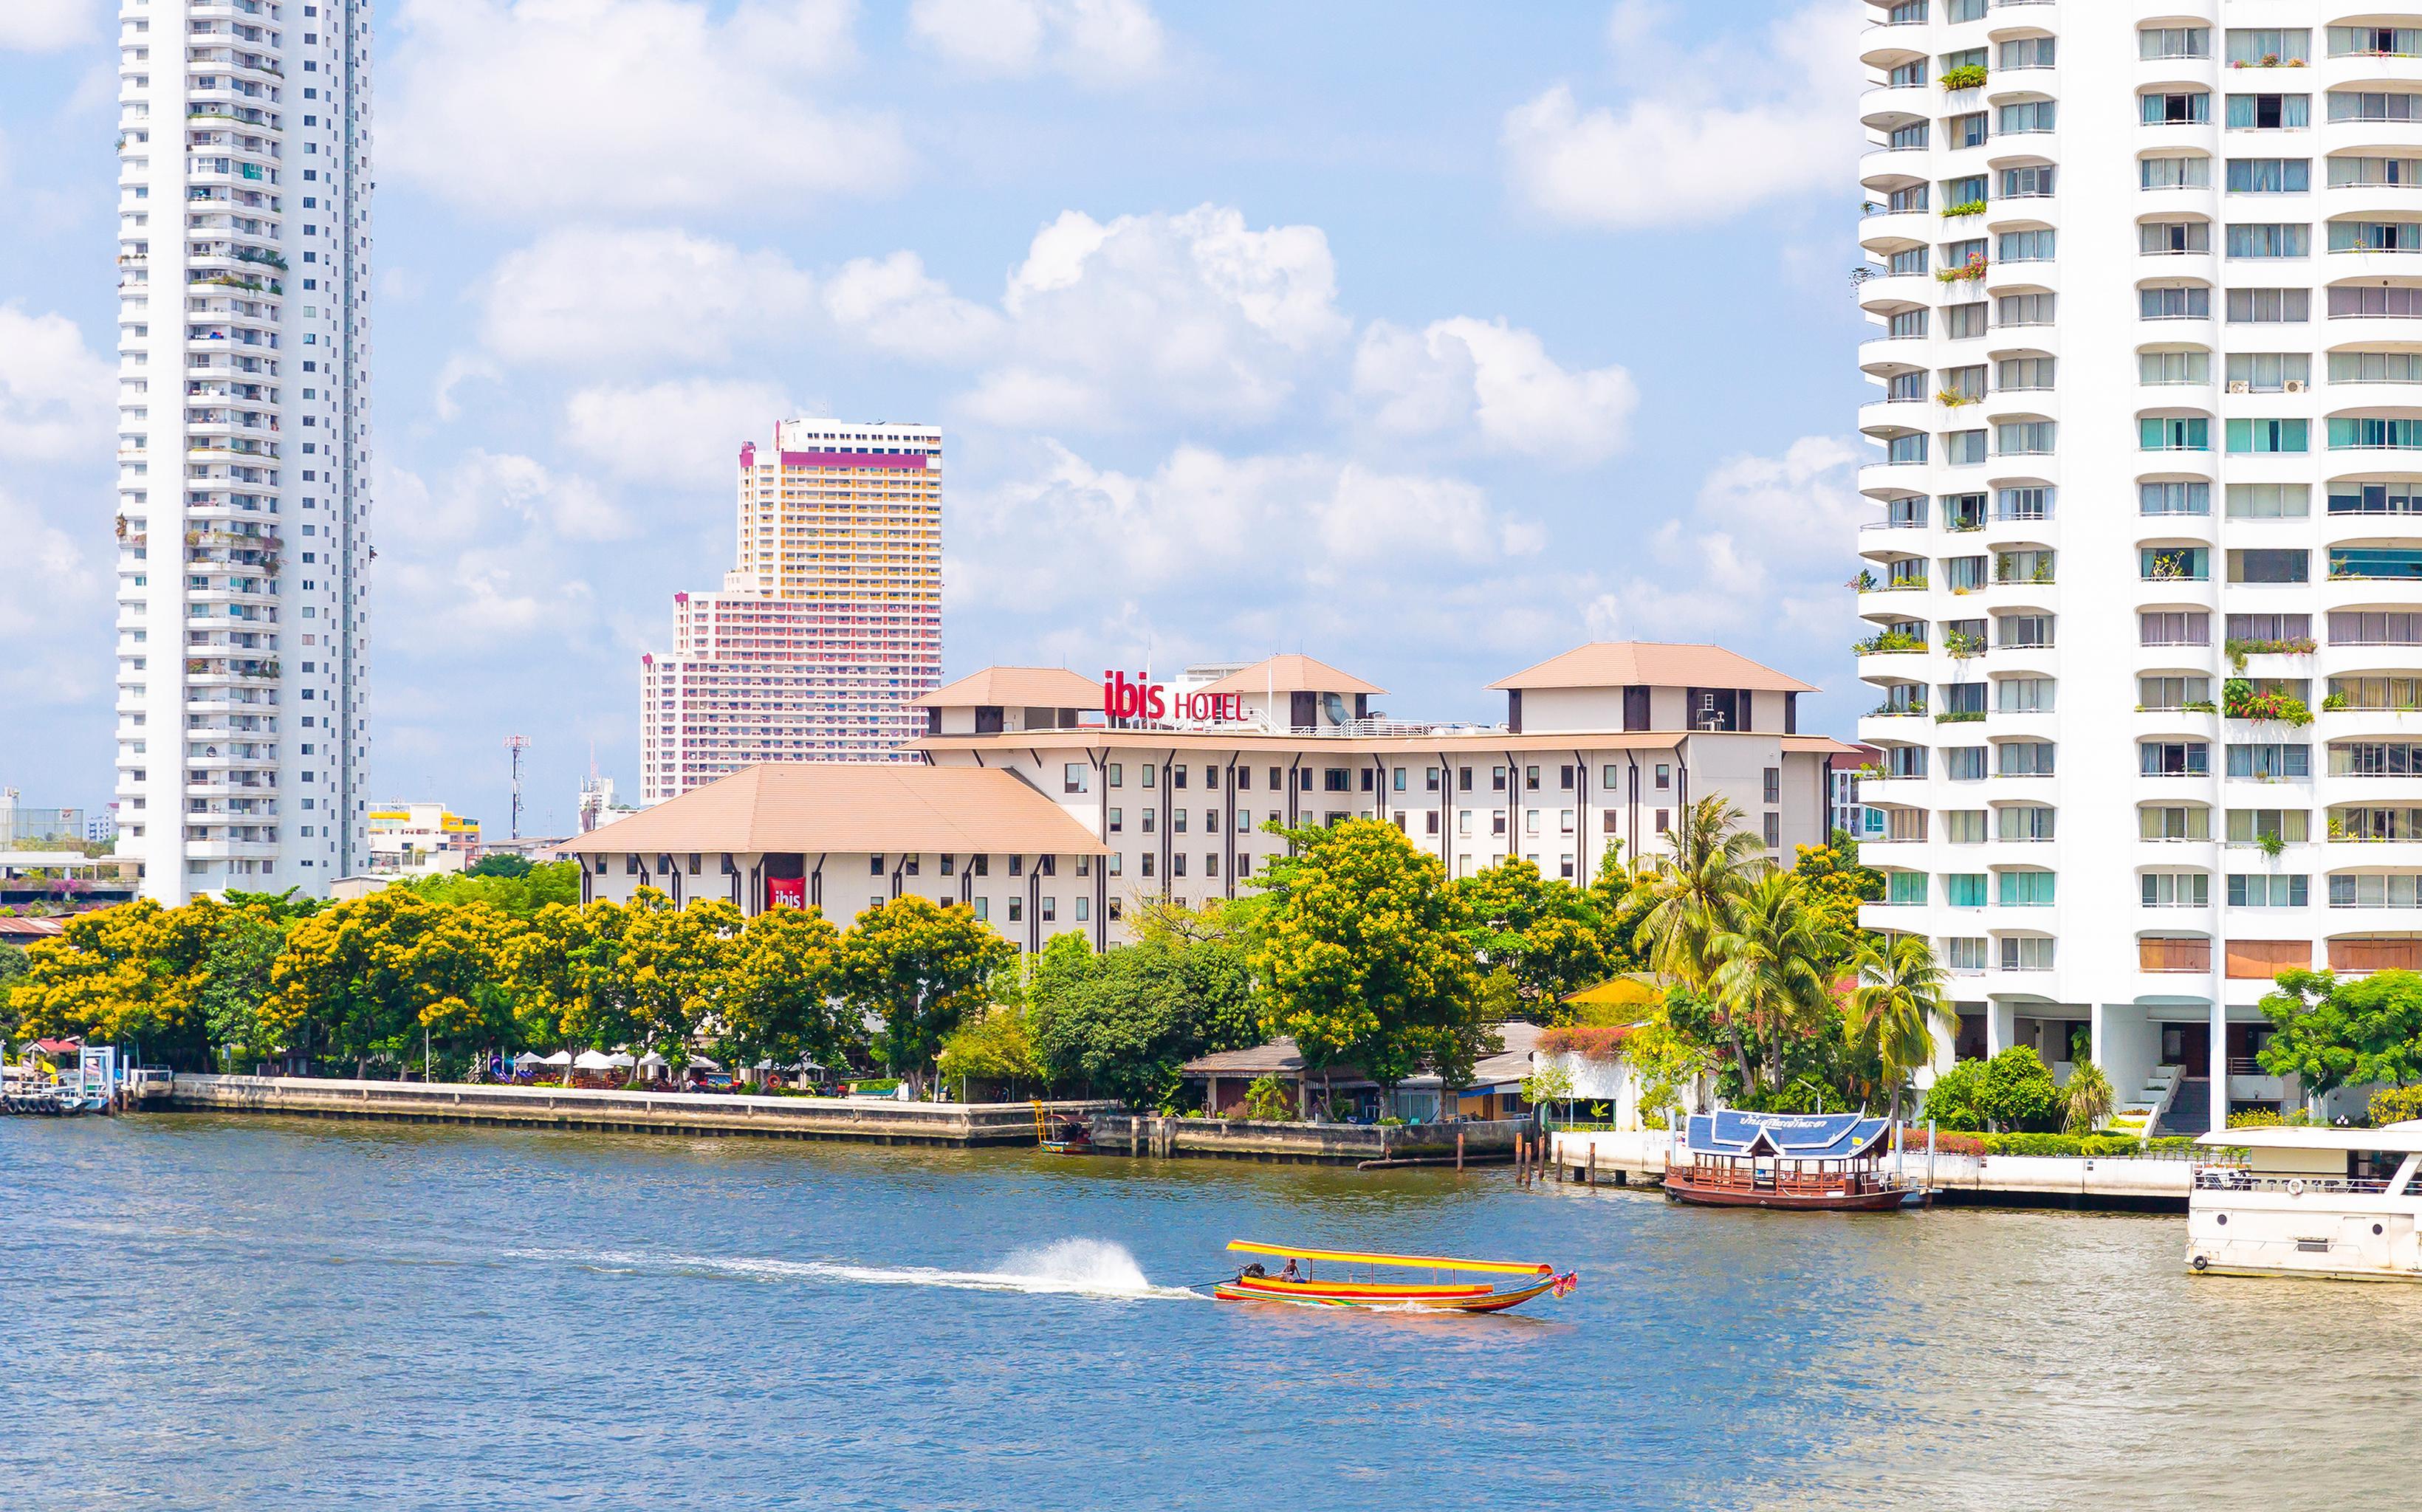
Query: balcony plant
(1968,272)
(1953,399)
(2239,650)
(2334,704)
(1865,582)
(2242,702)
(1961,716)
(1962,645)
(2168,567)
(2272,843)
(2337,827)
(2043,570)
(2200,706)
(1886,641)
(1967,76)
(1966,207)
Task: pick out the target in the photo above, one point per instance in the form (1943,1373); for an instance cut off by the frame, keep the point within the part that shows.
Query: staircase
(2139,1116)
(2190,1110)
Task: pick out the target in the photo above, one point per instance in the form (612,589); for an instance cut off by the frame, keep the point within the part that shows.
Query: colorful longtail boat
(1356,1281)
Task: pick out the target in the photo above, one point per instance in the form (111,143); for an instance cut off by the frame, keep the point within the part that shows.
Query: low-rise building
(19,821)
(421,839)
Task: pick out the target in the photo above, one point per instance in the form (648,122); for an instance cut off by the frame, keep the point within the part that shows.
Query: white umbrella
(700,1062)
(592,1061)
(559,1058)
(651,1062)
(621,1058)
(529,1058)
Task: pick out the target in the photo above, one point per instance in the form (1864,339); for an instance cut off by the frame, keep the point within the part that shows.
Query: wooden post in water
(1459,1152)
(1593,1171)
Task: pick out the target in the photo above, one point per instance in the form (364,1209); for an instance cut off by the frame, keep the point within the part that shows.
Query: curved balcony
(1893,480)
(1883,169)
(1886,418)
(2361,70)
(1885,356)
(1889,293)
(1883,107)
(1897,230)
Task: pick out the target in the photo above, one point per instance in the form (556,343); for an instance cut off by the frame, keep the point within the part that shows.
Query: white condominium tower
(2144,579)
(243,506)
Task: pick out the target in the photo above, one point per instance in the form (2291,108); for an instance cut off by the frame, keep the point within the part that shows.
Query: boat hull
(1424,1298)
(1887,1200)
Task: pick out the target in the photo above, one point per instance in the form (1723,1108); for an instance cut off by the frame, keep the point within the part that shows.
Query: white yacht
(2339,1204)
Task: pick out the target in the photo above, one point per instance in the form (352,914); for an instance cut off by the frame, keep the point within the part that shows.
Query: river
(215,1312)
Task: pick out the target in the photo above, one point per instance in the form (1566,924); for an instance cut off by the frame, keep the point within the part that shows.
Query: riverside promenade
(2122,1184)
(864,1120)
(1376,1146)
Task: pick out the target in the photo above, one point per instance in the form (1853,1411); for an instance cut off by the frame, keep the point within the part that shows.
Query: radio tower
(517,743)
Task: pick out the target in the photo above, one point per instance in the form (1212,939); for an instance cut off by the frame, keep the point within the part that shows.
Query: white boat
(2337,1204)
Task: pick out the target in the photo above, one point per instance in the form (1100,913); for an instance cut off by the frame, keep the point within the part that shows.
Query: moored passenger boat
(2338,1203)
(1815,1162)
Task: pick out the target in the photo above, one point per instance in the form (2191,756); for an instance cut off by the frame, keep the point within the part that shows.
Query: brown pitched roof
(1652,664)
(1291,673)
(881,808)
(1031,688)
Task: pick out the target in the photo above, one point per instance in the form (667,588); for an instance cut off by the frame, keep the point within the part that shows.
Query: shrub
(1599,1042)
(1954,1100)
(1967,76)
(1947,1141)
(2087,1100)
(1266,1100)
(2392,1106)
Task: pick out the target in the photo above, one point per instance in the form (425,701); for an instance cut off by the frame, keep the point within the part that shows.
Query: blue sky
(1430,339)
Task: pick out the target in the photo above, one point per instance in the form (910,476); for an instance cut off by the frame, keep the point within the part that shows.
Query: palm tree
(1697,886)
(1899,1003)
(1770,976)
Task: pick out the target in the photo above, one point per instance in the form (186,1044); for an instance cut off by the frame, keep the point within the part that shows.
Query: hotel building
(1046,814)
(243,446)
(830,625)
(2143,575)
(421,839)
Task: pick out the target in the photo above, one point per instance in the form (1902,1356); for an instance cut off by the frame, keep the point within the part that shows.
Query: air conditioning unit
(2240,387)
(2293,385)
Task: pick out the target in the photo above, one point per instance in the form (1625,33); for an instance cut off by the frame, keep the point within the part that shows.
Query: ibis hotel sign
(1126,697)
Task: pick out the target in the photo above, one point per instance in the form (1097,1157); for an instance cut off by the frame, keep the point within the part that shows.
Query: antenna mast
(517,743)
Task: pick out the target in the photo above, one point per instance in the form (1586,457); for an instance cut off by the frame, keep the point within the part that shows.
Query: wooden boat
(1356,1280)
(1061,1133)
(1801,1163)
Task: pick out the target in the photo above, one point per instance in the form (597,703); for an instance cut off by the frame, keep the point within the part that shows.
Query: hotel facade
(244,443)
(2143,575)
(1047,813)
(829,625)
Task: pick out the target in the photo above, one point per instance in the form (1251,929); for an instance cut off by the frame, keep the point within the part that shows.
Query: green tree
(2087,1100)
(1836,884)
(1124,1022)
(236,982)
(670,965)
(1957,1099)
(355,979)
(2330,1034)
(2017,1092)
(500,866)
(1899,1007)
(133,974)
(1769,982)
(918,967)
(1547,935)
(521,893)
(778,1000)
(1693,895)
(1361,958)
(995,1044)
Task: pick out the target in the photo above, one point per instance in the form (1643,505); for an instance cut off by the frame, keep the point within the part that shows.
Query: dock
(2122,1184)
(1472,1141)
(862,1120)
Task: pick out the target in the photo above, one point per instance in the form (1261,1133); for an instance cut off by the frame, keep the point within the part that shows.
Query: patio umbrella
(527,1059)
(559,1058)
(700,1062)
(592,1061)
(621,1058)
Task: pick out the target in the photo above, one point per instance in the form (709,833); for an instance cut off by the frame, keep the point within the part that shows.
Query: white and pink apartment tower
(828,626)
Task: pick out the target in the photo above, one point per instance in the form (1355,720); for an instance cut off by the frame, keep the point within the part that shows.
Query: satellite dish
(1333,705)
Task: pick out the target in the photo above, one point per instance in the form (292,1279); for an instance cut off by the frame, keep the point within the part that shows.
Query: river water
(214,1313)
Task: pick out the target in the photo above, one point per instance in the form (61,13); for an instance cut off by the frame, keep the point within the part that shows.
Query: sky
(1429,340)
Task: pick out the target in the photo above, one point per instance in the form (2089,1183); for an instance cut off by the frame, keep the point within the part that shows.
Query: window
(2372,434)
(2028,955)
(1016,911)
(2268,372)
(1961,448)
(2026,822)
(2027,115)
(1968,382)
(2375,758)
(2025,694)
(1963,826)
(2179,304)
(983,909)
(1148,771)
(1176,821)
(2375,42)
(2023,372)
(2174,432)
(1400,777)
(2175,627)
(2174,498)
(1118,774)
(1957,131)
(2174,41)
(1147,816)
(2271,239)
(2024,438)
(1049,910)
(2386,301)
(2375,627)
(2027,889)
(2174,172)
(2173,821)
(2376,891)
(1964,191)
(2269,46)
(1177,775)
(2269,632)
(2248,826)
(2373,105)
(2028,52)
(2026,629)
(2174,366)
(2270,502)
(2269,565)
(2399,564)
(1116,822)
(1084,908)
(1664,776)
(2173,758)
(1960,763)
(2024,310)
(2271,306)
(2170,693)
(982,866)
(2022,503)
(1965,955)
(1663,820)
(2269,112)
(2253,437)
(2033,181)
(2026,758)
(2174,109)
(1963,889)
(1073,777)
(2168,237)
(2177,890)
(1899,887)
(2376,367)
(1961,322)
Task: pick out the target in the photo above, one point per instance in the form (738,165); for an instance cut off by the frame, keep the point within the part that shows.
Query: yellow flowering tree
(131,975)
(921,967)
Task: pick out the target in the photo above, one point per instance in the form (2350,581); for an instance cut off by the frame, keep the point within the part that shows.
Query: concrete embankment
(1482,1143)
(2125,1185)
(867,1120)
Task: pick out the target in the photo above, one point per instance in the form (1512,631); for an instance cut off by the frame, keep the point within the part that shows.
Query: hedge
(2097,1146)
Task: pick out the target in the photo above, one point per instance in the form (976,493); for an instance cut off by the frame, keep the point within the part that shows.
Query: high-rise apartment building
(828,626)
(242,448)
(2145,574)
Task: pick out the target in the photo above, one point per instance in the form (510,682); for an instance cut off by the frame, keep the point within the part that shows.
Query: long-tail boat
(1356,1281)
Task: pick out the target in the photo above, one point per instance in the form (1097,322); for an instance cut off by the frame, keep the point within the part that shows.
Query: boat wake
(1067,1267)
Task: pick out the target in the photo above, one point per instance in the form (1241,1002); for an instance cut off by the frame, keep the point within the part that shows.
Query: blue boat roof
(1791,1136)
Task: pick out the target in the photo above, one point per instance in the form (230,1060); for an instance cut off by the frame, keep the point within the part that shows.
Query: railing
(2236,1178)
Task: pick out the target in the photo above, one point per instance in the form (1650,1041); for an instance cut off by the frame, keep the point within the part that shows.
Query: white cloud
(46,25)
(526,107)
(1760,559)
(894,305)
(1702,137)
(51,594)
(1497,378)
(486,557)
(589,295)
(1105,42)
(489,495)
(54,393)
(1193,315)
(685,434)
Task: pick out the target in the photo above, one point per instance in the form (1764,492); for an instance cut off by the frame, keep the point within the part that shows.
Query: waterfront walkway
(868,1120)
(2125,1184)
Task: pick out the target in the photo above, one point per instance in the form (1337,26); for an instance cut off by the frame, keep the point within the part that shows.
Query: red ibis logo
(1126,698)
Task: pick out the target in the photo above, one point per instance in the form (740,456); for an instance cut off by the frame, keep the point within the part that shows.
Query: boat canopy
(2403,1138)
(1358,1257)
(1785,1136)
